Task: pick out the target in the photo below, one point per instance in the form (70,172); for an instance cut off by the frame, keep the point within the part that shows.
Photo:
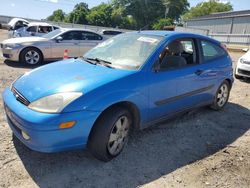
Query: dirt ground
(203,148)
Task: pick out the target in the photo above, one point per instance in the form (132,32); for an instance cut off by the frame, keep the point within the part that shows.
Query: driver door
(70,42)
(179,83)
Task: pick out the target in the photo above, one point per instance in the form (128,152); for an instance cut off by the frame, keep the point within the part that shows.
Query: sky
(40,9)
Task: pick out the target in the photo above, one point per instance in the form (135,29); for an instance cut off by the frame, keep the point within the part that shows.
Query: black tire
(99,140)
(217,105)
(34,54)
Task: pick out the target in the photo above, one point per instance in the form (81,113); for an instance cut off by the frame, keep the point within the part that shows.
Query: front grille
(246,62)
(244,72)
(19,97)
(6,55)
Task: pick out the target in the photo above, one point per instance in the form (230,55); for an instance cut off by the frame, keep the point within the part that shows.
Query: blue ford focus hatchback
(131,81)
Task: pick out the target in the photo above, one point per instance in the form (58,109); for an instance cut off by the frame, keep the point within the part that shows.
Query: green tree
(101,15)
(207,8)
(176,8)
(79,14)
(163,22)
(121,20)
(57,16)
(147,12)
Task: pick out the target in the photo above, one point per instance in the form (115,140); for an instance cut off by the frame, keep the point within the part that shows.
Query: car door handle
(198,72)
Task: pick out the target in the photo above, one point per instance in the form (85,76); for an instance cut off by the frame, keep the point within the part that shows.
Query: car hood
(66,76)
(24,40)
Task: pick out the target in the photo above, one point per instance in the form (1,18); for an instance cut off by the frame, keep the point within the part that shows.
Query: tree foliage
(207,8)
(145,12)
(57,16)
(163,22)
(101,15)
(120,19)
(176,8)
(138,14)
(79,14)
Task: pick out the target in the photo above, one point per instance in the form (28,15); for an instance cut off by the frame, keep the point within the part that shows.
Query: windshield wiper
(99,61)
(89,60)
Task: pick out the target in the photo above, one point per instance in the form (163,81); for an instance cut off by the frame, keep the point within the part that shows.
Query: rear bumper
(43,129)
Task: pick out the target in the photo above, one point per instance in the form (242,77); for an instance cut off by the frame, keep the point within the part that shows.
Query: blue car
(131,81)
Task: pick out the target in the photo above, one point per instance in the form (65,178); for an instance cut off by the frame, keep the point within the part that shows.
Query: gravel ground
(203,148)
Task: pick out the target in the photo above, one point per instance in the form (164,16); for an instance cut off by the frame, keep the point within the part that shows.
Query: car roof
(14,20)
(111,30)
(77,29)
(174,33)
(39,24)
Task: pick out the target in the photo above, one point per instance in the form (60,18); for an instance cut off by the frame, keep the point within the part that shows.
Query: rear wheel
(222,95)
(110,134)
(31,56)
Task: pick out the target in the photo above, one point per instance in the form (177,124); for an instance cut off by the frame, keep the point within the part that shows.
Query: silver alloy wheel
(32,57)
(222,95)
(118,135)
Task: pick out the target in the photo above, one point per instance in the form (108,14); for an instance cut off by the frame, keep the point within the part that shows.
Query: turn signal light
(67,125)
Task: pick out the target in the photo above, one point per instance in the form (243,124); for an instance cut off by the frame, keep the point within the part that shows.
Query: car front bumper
(43,129)
(10,53)
(243,69)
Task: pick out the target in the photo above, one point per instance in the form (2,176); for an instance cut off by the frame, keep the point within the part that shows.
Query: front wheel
(222,96)
(110,134)
(31,56)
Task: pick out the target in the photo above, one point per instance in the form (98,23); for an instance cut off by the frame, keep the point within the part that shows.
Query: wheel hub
(222,95)
(32,57)
(118,135)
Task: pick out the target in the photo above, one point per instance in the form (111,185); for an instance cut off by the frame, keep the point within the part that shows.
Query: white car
(14,24)
(243,67)
(33,29)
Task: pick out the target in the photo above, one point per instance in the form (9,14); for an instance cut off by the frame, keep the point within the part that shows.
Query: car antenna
(143,28)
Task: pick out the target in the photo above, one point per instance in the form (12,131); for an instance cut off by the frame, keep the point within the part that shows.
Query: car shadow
(149,155)
(22,65)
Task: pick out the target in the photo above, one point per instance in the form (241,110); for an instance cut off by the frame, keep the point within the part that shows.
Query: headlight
(242,60)
(12,45)
(54,103)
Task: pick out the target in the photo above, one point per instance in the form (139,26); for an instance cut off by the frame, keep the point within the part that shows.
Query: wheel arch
(131,107)
(230,82)
(42,56)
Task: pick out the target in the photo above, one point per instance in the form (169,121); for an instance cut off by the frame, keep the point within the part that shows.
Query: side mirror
(59,39)
(157,65)
(245,49)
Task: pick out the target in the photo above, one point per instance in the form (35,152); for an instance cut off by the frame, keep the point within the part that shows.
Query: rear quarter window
(211,51)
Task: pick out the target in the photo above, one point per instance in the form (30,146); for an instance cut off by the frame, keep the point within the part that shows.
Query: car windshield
(125,51)
(52,34)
